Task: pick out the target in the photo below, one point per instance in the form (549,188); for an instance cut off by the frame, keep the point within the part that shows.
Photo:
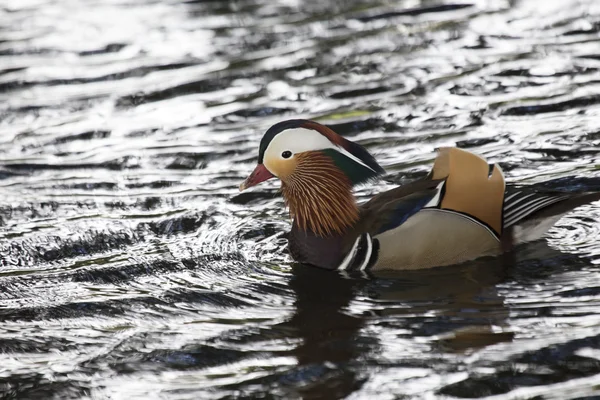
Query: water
(131,267)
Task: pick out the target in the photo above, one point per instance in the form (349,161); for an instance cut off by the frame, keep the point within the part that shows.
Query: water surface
(131,267)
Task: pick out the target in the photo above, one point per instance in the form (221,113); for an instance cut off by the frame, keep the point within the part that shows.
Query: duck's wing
(391,209)
(453,215)
(460,182)
(528,212)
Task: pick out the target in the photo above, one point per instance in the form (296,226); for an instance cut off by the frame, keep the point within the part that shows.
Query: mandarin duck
(463,209)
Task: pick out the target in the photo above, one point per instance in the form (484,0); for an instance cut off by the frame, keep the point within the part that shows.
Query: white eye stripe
(352,157)
(299,140)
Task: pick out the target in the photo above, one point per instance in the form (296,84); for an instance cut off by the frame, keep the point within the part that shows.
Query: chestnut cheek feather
(260,174)
(319,196)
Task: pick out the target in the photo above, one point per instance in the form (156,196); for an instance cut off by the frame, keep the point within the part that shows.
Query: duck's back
(451,216)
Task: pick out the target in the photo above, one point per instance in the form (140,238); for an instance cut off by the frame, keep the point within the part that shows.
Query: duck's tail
(528,212)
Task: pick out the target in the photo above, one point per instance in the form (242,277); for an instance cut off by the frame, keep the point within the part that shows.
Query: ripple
(130,265)
(553,107)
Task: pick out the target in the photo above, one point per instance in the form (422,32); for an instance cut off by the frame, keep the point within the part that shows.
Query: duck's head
(305,152)
(317,168)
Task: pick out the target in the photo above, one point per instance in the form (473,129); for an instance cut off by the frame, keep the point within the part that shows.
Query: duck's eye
(286,154)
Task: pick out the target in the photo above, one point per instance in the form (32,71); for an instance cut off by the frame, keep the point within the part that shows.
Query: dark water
(131,267)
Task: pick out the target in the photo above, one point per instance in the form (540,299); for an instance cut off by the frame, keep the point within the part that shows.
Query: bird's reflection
(459,306)
(336,322)
(330,335)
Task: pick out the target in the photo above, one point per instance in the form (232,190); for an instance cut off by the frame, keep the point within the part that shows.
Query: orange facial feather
(319,195)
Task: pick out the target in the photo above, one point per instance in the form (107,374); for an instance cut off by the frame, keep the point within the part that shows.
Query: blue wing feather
(404,208)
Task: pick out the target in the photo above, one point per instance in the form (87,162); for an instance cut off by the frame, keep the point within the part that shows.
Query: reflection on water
(130,266)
